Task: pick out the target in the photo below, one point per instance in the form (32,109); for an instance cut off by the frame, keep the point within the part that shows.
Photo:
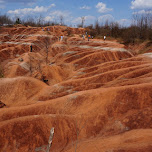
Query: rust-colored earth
(97,95)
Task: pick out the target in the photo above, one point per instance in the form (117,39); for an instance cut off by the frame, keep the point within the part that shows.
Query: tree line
(140,28)
(5,20)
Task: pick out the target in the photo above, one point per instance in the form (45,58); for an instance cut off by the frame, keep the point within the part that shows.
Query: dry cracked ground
(96,94)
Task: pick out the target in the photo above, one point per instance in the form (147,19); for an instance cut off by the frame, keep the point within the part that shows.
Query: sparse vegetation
(1,73)
(47,46)
(69,32)
(140,29)
(5,20)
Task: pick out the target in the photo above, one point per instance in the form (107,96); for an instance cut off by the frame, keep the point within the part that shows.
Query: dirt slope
(96,94)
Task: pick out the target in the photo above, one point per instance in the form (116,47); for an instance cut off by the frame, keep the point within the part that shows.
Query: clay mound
(75,40)
(129,97)
(98,117)
(105,75)
(53,30)
(63,30)
(96,94)
(17,70)
(40,127)
(14,91)
(58,48)
(19,30)
(25,64)
(4,54)
(55,74)
(96,58)
(126,142)
(12,52)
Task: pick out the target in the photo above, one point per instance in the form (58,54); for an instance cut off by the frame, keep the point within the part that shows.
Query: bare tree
(82,21)
(40,20)
(61,19)
(30,20)
(143,23)
(50,139)
(1,73)
(97,27)
(47,46)
(4,19)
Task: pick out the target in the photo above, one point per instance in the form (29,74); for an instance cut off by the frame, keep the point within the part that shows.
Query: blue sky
(72,10)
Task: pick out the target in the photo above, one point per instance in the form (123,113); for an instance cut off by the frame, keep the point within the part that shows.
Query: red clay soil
(96,94)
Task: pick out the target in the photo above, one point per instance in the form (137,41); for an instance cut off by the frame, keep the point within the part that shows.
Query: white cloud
(104,18)
(55,16)
(143,12)
(59,13)
(102,8)
(26,11)
(141,4)
(85,7)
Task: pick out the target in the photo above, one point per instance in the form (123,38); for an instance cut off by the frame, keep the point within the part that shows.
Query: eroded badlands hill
(97,97)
